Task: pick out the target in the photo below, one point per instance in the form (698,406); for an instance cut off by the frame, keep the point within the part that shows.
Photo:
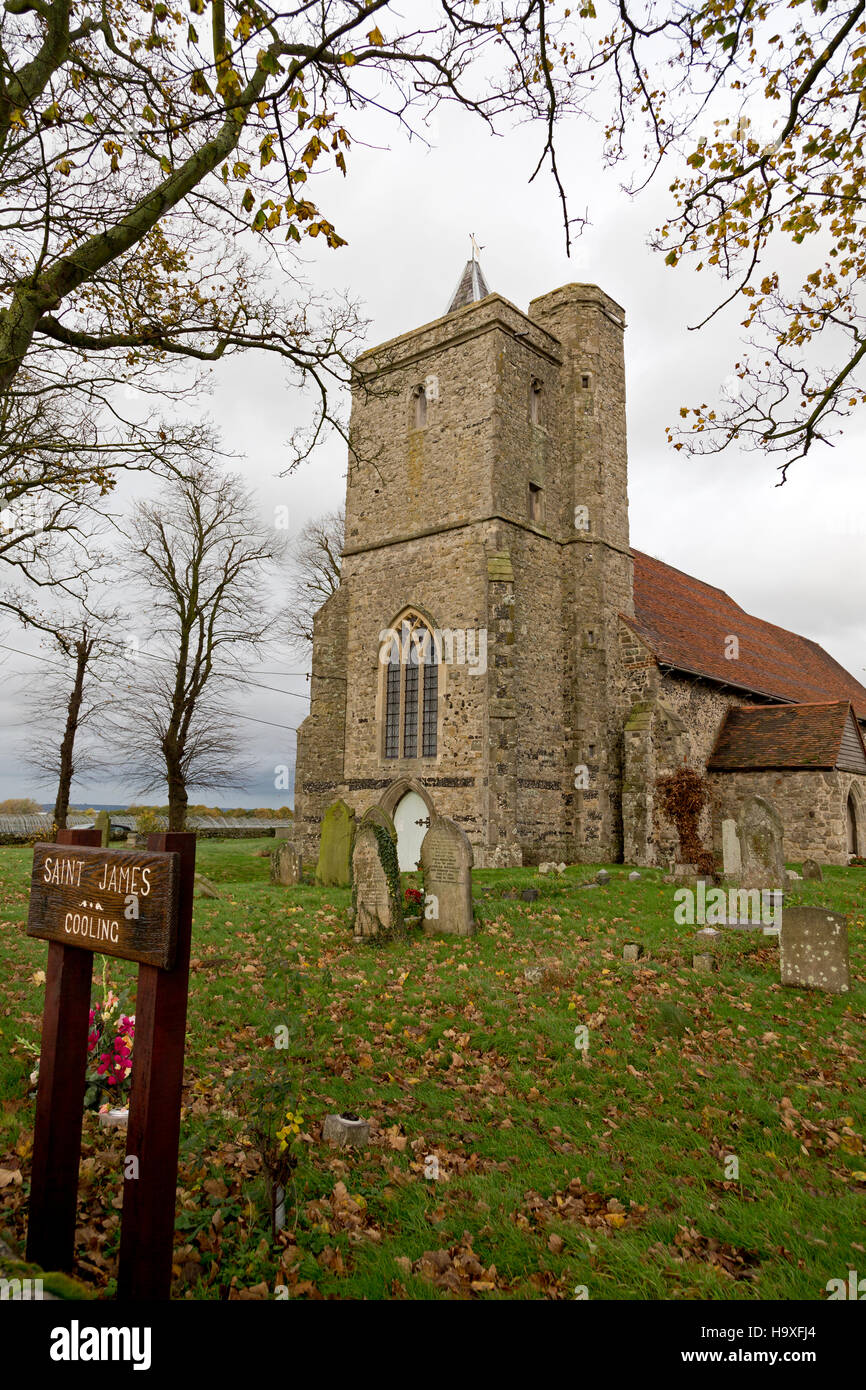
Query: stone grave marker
(335,846)
(284,832)
(760,835)
(285,865)
(375,815)
(446,863)
(814,949)
(103,825)
(812,869)
(376,898)
(732,859)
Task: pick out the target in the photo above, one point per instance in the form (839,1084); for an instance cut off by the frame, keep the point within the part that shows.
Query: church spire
(472,285)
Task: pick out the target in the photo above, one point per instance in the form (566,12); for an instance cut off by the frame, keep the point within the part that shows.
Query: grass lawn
(607,1169)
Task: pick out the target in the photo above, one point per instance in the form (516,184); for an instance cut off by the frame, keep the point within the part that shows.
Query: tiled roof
(470,287)
(688,626)
(783,736)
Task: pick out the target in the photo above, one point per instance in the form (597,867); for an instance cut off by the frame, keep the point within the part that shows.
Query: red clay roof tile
(782,736)
(687,624)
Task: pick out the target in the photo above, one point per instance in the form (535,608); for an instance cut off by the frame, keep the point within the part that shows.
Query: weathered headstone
(446,863)
(376,815)
(632,950)
(103,825)
(814,949)
(704,962)
(376,898)
(760,835)
(812,869)
(284,832)
(732,859)
(602,876)
(285,864)
(335,847)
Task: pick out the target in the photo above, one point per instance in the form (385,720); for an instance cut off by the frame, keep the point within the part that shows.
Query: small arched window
(411,690)
(536,401)
(419,406)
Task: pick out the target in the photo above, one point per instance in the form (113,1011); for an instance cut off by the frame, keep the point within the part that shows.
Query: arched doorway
(851,818)
(411,821)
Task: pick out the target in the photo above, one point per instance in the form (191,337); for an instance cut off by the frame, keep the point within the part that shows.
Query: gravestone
(375,815)
(732,859)
(446,863)
(335,847)
(814,949)
(284,832)
(760,834)
(376,902)
(103,825)
(812,869)
(285,865)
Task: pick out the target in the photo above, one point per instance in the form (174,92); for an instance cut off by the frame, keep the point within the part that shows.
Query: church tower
(467,665)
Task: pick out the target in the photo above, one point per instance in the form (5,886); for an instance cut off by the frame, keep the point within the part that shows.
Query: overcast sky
(792,555)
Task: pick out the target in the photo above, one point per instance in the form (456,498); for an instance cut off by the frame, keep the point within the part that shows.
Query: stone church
(497,653)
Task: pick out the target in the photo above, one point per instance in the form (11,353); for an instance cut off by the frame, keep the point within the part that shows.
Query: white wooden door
(410,810)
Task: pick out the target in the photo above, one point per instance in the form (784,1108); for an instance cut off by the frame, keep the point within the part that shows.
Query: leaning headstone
(760,835)
(814,949)
(377,905)
(285,865)
(812,869)
(335,847)
(732,859)
(103,825)
(446,863)
(375,815)
(602,876)
(203,888)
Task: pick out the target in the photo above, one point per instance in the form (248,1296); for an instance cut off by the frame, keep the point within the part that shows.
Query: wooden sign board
(122,902)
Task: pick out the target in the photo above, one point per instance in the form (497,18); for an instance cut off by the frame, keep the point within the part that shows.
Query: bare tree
(138,140)
(204,563)
(315,563)
(72,697)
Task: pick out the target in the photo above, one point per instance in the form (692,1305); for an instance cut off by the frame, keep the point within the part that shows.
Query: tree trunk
(177,800)
(83,649)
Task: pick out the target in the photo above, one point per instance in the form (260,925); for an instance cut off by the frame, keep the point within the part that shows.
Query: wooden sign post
(136,905)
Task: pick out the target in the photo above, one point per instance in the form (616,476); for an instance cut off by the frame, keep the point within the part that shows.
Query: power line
(34,656)
(258,685)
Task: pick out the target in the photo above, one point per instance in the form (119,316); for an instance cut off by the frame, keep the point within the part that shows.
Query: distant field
(553,1173)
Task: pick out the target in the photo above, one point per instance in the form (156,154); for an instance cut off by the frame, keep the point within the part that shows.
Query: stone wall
(812,805)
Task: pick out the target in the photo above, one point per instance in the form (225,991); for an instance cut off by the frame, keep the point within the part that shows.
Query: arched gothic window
(410,657)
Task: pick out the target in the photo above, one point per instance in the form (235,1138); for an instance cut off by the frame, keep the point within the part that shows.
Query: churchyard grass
(455,1055)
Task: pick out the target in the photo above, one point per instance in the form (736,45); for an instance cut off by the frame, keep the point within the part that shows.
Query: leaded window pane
(431,705)
(392,711)
(410,712)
